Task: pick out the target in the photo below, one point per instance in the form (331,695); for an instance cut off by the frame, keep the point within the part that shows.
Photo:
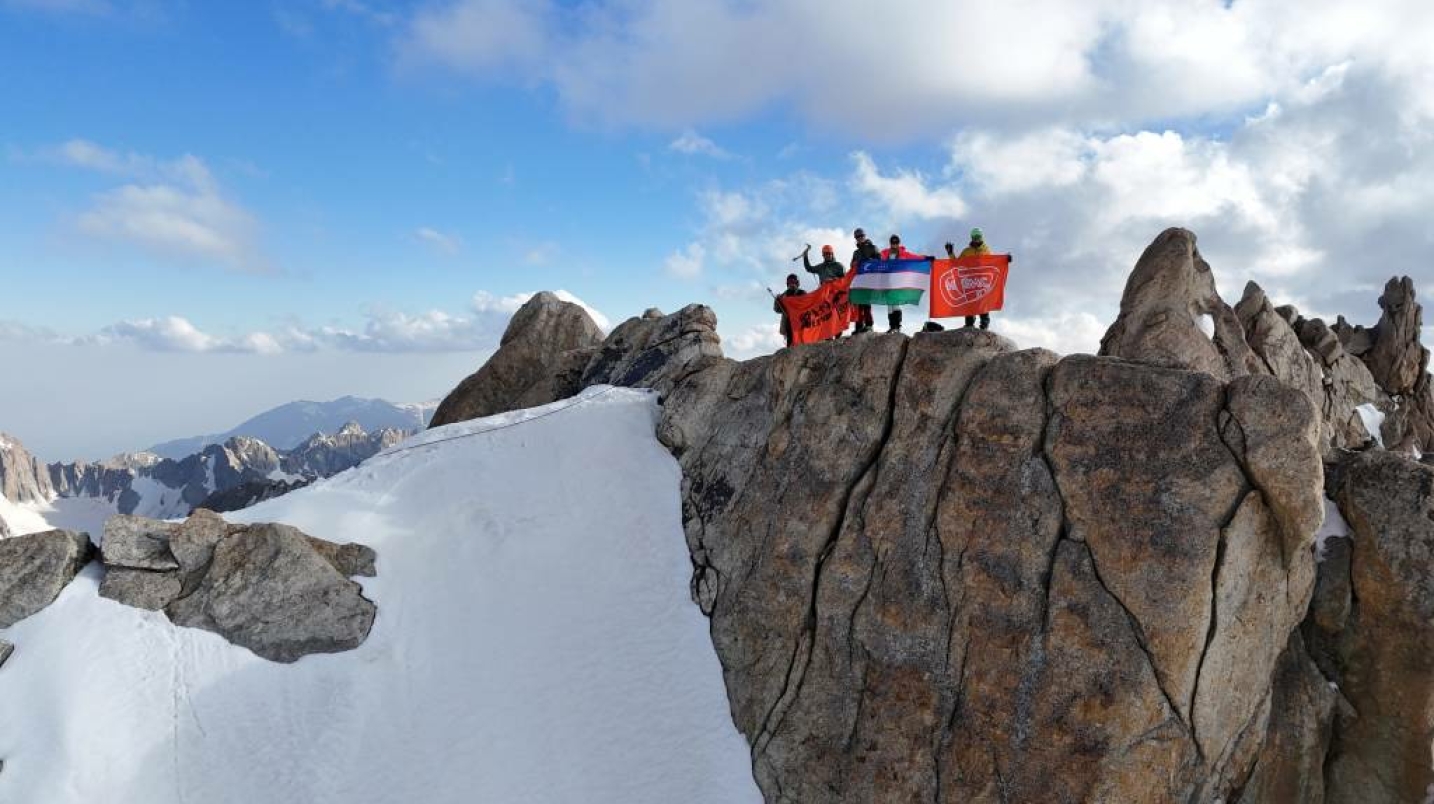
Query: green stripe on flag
(892,298)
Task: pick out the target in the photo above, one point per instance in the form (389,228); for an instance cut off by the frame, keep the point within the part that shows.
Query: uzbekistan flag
(891,282)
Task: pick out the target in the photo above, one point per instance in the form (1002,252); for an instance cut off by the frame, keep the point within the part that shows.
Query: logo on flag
(968,285)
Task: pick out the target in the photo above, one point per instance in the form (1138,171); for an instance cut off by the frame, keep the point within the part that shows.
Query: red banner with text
(824,313)
(968,285)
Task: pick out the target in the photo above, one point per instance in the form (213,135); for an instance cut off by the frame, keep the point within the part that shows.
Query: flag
(891,282)
(824,313)
(969,285)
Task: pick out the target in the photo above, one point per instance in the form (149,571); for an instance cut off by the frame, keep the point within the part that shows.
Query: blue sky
(270,201)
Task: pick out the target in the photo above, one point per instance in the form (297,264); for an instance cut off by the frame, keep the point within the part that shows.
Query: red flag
(968,285)
(824,313)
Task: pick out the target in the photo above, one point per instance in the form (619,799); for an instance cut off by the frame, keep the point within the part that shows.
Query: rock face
(520,374)
(651,351)
(35,567)
(323,455)
(1171,288)
(173,488)
(1383,656)
(939,569)
(1277,345)
(250,492)
(266,587)
(22,477)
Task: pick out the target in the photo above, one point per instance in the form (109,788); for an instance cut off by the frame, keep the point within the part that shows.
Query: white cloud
(687,263)
(694,144)
(170,208)
(1063,333)
(905,194)
(168,334)
(482,38)
(382,331)
(753,341)
(440,242)
(998,164)
(1028,64)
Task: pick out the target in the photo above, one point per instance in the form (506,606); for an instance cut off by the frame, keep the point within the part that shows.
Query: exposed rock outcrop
(1167,293)
(944,534)
(523,370)
(1383,657)
(650,351)
(250,492)
(22,477)
(1277,345)
(34,569)
(266,587)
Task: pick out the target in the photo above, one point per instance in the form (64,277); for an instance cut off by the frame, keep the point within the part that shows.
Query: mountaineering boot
(893,319)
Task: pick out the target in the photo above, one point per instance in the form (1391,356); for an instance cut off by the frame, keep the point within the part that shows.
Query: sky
(208,209)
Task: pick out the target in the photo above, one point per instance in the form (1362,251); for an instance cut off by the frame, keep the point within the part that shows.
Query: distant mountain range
(289,425)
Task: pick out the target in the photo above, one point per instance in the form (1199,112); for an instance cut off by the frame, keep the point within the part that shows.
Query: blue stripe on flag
(894,266)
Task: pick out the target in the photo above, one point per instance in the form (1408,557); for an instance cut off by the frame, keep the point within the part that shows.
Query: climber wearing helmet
(978,247)
(865,250)
(828,269)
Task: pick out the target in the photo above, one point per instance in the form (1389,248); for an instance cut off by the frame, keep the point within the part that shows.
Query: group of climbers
(829,270)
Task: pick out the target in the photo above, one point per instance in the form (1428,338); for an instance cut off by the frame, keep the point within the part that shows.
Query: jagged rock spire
(1159,323)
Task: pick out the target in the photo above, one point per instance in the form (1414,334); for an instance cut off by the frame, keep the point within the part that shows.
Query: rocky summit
(941,568)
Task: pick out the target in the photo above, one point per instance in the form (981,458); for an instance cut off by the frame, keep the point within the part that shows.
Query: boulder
(34,569)
(1170,289)
(1385,654)
(4,528)
(137,543)
(267,589)
(144,589)
(521,373)
(6,650)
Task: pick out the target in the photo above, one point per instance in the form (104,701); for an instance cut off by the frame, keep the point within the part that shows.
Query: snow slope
(534,643)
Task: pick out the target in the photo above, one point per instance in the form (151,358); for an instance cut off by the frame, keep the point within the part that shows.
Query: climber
(978,247)
(828,269)
(897,252)
(794,288)
(865,250)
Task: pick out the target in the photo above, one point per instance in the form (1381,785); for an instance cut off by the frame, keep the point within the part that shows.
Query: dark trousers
(985,321)
(863,317)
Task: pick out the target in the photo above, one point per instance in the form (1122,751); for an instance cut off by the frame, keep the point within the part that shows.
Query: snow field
(534,643)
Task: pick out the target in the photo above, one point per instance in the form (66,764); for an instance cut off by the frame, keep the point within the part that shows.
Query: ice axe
(804,253)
